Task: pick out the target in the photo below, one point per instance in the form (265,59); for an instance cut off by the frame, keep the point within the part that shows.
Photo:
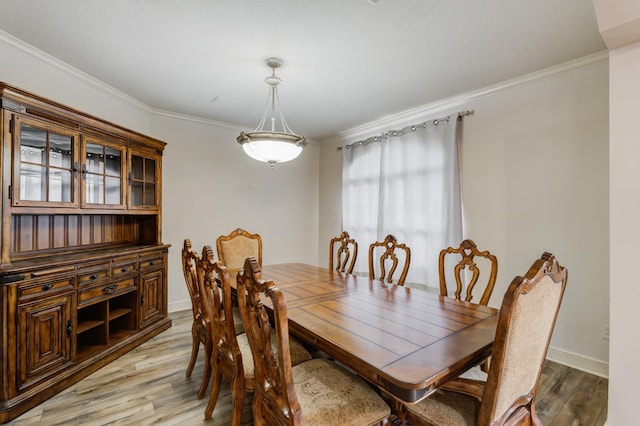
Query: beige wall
(535,178)
(625,234)
(210,186)
(619,23)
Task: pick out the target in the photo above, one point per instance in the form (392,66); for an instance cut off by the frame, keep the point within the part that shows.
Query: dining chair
(231,355)
(348,249)
(234,248)
(315,392)
(466,256)
(200,333)
(525,324)
(390,245)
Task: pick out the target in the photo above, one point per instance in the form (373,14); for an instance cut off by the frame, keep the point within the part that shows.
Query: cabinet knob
(123,270)
(109,289)
(46,287)
(69,328)
(93,277)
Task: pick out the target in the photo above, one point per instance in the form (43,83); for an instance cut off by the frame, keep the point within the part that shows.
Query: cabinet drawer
(105,291)
(124,269)
(44,287)
(151,262)
(95,275)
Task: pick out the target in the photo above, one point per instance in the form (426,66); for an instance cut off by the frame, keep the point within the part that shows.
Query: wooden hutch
(83,270)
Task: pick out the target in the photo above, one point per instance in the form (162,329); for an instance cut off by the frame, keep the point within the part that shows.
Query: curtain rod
(435,121)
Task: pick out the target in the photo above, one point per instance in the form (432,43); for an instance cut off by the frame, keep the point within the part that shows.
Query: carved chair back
(347,250)
(275,401)
(525,325)
(234,248)
(390,246)
(200,329)
(467,262)
(226,358)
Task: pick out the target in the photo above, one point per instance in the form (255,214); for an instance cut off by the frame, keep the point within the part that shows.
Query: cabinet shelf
(84,351)
(88,325)
(119,335)
(117,313)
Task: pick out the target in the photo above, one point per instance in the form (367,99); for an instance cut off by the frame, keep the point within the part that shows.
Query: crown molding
(19,46)
(196,119)
(459,101)
(414,114)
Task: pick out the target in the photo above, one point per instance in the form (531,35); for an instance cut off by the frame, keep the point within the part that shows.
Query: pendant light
(272,141)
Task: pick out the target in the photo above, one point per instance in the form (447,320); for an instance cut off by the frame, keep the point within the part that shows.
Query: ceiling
(346,62)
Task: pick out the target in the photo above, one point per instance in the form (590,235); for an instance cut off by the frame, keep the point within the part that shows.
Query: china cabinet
(83,268)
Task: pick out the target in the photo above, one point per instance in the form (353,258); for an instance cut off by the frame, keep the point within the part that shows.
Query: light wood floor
(148,386)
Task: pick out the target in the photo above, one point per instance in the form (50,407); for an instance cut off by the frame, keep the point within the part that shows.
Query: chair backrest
(234,248)
(390,245)
(525,325)
(275,401)
(348,249)
(215,290)
(468,252)
(190,260)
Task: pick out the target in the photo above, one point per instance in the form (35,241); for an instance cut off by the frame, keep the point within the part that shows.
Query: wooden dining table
(406,341)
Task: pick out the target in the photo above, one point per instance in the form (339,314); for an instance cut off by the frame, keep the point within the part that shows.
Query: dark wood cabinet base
(11,409)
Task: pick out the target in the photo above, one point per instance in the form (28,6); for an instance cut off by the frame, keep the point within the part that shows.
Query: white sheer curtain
(406,183)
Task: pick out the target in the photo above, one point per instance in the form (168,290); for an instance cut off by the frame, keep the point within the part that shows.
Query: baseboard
(580,362)
(181,305)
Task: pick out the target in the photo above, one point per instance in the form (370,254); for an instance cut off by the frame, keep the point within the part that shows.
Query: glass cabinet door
(102,171)
(45,164)
(143,181)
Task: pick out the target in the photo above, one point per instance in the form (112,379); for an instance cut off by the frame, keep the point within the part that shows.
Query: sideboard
(83,270)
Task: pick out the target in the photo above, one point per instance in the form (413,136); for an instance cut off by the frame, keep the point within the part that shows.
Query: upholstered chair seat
(445,408)
(331,395)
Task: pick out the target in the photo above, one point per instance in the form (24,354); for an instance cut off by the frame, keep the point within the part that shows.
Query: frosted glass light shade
(272,147)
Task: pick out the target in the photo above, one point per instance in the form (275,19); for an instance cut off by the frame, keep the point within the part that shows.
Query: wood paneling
(33,232)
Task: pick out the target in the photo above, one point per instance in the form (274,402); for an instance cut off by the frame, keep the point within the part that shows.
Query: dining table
(406,341)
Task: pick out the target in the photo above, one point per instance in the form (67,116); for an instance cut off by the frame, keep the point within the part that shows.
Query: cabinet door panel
(45,164)
(44,338)
(102,174)
(151,297)
(144,181)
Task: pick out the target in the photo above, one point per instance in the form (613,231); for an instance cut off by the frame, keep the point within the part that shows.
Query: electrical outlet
(605,331)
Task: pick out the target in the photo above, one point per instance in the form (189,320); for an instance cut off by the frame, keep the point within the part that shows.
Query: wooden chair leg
(195,348)
(237,396)
(206,375)
(215,390)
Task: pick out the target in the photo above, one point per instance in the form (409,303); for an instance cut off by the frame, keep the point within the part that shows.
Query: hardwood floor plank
(557,390)
(583,406)
(148,386)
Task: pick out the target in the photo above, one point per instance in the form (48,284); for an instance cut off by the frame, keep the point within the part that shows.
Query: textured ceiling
(347,62)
